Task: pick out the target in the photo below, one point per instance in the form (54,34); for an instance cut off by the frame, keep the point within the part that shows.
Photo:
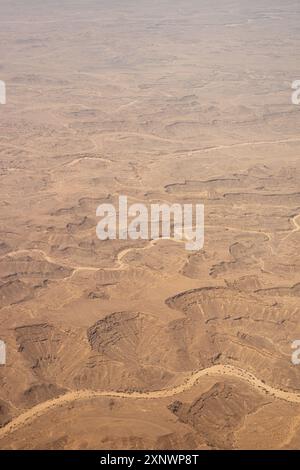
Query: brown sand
(142,344)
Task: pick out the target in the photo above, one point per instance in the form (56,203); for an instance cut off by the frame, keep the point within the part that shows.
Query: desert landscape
(141,344)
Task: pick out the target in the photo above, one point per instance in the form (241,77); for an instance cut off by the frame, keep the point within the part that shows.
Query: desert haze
(142,344)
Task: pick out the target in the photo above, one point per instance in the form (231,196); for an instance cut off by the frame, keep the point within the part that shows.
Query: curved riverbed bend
(217,370)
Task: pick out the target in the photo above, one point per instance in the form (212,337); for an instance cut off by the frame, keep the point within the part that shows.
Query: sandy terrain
(128,344)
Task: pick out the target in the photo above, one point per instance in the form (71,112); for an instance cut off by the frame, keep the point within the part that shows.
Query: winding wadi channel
(28,416)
